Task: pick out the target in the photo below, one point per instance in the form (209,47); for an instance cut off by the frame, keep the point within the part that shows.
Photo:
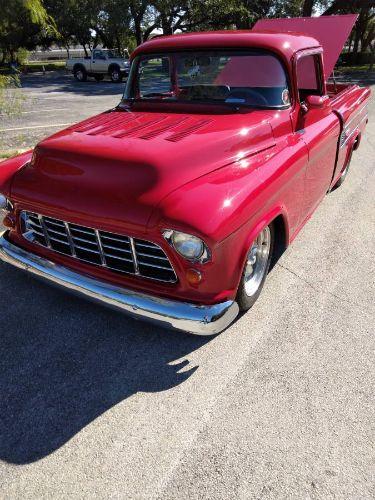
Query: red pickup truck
(171,206)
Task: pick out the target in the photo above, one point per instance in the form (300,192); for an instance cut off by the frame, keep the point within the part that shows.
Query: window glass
(154,77)
(307,76)
(255,78)
(98,54)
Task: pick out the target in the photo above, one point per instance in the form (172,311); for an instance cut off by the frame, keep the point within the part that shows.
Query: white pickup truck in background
(101,63)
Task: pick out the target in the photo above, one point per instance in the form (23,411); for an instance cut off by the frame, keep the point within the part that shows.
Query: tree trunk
(166,26)
(356,47)
(307,8)
(360,26)
(138,31)
(3,57)
(372,60)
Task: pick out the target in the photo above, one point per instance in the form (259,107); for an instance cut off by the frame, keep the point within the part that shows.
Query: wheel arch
(113,66)
(279,219)
(79,66)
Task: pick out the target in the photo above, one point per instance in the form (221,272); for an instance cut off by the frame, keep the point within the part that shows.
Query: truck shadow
(65,361)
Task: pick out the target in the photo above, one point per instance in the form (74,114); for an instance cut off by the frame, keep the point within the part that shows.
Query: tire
(99,78)
(256,268)
(344,174)
(115,74)
(80,74)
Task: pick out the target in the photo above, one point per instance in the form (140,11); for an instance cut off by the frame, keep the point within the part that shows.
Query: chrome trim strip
(36,231)
(56,232)
(100,246)
(81,230)
(153,247)
(355,129)
(102,252)
(59,224)
(53,238)
(125,240)
(90,242)
(192,318)
(111,256)
(46,235)
(110,247)
(355,116)
(134,255)
(86,249)
(71,242)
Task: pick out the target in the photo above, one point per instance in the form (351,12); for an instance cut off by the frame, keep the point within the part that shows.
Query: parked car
(101,63)
(171,206)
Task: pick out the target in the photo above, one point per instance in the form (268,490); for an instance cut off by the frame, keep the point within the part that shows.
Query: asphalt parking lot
(52,102)
(281,405)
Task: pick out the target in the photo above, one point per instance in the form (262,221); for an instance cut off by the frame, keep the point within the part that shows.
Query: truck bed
(349,102)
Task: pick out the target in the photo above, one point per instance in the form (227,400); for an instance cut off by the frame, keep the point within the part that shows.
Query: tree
(76,21)
(23,23)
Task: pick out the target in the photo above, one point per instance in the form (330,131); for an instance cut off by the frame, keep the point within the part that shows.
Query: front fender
(214,205)
(9,168)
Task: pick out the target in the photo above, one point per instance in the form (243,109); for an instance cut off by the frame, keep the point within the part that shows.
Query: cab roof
(284,44)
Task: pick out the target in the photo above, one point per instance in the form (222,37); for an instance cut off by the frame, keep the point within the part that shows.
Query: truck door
(99,62)
(318,125)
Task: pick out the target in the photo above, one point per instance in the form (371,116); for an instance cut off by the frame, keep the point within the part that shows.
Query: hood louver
(144,126)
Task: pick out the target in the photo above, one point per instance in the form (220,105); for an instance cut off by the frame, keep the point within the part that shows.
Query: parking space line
(35,126)
(42,110)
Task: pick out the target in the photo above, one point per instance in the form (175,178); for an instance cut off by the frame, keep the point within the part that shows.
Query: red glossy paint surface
(331,32)
(210,171)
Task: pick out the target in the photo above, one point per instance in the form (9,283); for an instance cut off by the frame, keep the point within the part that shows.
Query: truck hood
(330,31)
(116,167)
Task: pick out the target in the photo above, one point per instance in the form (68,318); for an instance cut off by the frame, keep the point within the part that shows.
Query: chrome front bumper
(192,318)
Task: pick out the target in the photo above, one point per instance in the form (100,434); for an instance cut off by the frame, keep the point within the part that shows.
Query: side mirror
(317,102)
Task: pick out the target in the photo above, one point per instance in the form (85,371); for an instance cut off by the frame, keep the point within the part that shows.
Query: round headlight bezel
(3,202)
(179,239)
(6,205)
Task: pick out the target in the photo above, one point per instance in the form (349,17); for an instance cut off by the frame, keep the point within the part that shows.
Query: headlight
(188,246)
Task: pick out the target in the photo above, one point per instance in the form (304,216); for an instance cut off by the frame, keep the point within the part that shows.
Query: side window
(308,76)
(98,54)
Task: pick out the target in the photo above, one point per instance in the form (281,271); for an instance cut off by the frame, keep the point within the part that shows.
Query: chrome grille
(113,251)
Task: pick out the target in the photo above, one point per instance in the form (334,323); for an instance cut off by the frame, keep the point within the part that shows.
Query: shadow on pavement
(60,81)
(65,361)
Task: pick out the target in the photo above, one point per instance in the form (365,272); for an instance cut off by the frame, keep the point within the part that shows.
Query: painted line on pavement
(35,126)
(42,110)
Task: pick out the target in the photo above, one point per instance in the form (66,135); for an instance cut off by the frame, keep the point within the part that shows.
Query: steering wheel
(249,94)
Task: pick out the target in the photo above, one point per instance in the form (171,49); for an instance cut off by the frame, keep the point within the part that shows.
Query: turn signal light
(193,276)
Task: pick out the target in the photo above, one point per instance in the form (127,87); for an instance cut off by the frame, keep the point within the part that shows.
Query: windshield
(253,78)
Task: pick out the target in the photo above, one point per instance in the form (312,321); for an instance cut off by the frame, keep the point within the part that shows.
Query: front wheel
(256,268)
(80,74)
(115,75)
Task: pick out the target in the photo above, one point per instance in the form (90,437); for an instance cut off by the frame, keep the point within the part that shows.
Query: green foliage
(126,23)
(23,24)
(11,98)
(22,56)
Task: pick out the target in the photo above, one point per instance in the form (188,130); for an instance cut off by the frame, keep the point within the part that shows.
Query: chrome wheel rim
(115,75)
(79,75)
(256,262)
